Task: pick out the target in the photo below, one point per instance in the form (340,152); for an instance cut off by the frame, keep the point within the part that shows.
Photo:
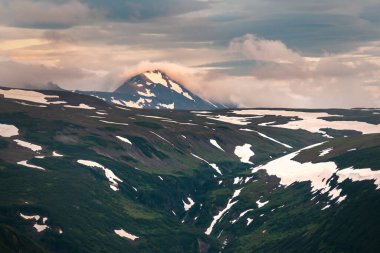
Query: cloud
(247,91)
(15,74)
(258,49)
(133,11)
(283,78)
(45,14)
(294,53)
(191,78)
(61,14)
(308,26)
(342,80)
(306,83)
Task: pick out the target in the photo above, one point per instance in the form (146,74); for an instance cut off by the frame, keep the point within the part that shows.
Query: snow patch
(36,218)
(80,106)
(30,96)
(238,180)
(201,112)
(30,217)
(267,123)
(177,88)
(241,215)
(217,217)
(324,208)
(115,123)
(215,143)
(247,179)
(187,206)
(359,175)
(26,164)
(261,204)
(312,122)
(122,108)
(147,93)
(124,139)
(156,77)
(40,228)
(244,153)
(166,106)
(340,199)
(152,117)
(140,103)
(26,104)
(212,165)
(290,171)
(125,234)
(162,138)
(242,121)
(57,154)
(112,178)
(8,130)
(269,138)
(325,152)
(28,145)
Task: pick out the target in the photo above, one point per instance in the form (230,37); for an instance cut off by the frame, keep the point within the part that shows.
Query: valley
(80,174)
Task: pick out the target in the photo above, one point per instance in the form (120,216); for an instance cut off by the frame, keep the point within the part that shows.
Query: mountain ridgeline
(155,90)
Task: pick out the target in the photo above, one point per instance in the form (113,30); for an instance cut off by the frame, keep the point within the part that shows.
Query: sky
(288,53)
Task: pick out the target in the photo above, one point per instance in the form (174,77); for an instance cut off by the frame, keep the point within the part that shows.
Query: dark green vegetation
(79,201)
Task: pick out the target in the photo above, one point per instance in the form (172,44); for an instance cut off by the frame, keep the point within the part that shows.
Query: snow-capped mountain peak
(156,90)
(147,80)
(158,77)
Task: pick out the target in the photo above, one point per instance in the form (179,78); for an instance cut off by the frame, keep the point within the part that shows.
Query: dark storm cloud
(315,26)
(318,26)
(62,14)
(371,14)
(132,10)
(311,32)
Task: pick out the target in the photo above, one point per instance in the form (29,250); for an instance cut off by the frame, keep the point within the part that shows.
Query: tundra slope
(119,179)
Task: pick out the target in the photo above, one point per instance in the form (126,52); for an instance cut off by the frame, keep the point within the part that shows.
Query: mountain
(53,86)
(155,90)
(78,174)
(47,86)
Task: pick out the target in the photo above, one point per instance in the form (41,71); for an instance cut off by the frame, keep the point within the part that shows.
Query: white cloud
(189,77)
(258,49)
(285,78)
(280,77)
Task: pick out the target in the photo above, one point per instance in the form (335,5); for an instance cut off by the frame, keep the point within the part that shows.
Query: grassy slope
(78,199)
